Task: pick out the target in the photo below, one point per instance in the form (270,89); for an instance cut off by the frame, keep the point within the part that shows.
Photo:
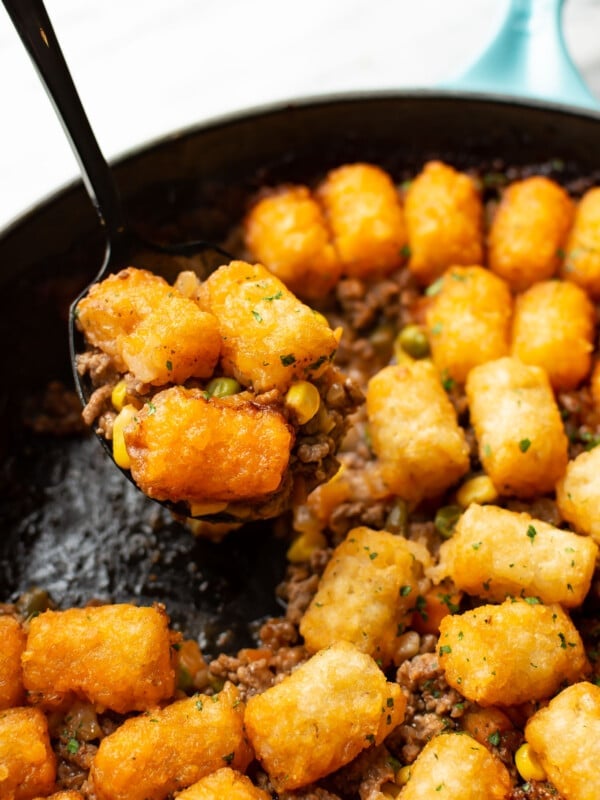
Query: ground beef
(432,706)
(254,671)
(534,790)
(97,404)
(297,591)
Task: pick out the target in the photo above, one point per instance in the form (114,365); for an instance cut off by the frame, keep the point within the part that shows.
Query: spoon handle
(33,25)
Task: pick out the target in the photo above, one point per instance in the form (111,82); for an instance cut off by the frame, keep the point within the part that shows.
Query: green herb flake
(405,251)
(170,366)
(476,545)
(288,359)
(373,556)
(316,364)
(487,451)
(257,316)
(199,705)
(151,407)
(524,445)
(445,649)
(72,746)
(405,590)
(563,641)
(277,296)
(229,758)
(531,533)
(533,601)
(437,329)
(370,738)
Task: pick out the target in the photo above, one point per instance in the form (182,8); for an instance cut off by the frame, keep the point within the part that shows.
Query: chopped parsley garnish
(288,360)
(405,251)
(72,746)
(524,445)
(531,533)
(151,408)
(316,364)
(435,287)
(277,296)
(444,649)
(199,705)
(257,316)
(228,758)
(169,365)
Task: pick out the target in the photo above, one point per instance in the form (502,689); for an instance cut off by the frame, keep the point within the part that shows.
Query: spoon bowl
(33,25)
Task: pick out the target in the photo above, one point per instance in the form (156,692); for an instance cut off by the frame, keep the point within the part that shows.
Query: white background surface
(147,67)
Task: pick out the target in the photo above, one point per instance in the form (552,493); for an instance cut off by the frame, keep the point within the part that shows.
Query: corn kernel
(120,454)
(304,400)
(528,764)
(118,395)
(477,490)
(201,509)
(403,776)
(304,546)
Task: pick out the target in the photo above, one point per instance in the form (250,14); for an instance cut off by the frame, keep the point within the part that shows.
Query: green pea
(445,520)
(397,517)
(223,387)
(413,340)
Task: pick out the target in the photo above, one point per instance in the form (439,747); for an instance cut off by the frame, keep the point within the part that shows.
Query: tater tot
(224,784)
(184,447)
(149,328)
(494,553)
(511,653)
(444,221)
(363,209)
(286,231)
(169,749)
(414,431)
(529,231)
(522,443)
(68,794)
(565,735)
(582,250)
(322,715)
(468,321)
(269,337)
(27,763)
(13,638)
(367,588)
(116,656)
(578,493)
(553,327)
(174,342)
(453,766)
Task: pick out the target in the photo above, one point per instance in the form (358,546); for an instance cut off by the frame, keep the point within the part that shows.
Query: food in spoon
(215,400)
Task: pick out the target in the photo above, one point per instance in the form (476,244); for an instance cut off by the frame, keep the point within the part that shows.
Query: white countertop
(147,67)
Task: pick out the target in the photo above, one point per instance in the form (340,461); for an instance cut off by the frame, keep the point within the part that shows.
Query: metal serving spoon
(35,30)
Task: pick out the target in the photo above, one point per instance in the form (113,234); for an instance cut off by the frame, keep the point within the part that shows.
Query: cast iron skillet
(69,521)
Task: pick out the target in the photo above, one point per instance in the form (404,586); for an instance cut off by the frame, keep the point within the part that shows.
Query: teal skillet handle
(528,58)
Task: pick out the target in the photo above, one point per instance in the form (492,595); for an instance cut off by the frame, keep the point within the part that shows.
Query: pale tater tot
(468,321)
(322,716)
(269,337)
(364,595)
(522,443)
(174,342)
(494,553)
(224,784)
(414,431)
(528,232)
(286,231)
(553,327)
(564,736)
(444,221)
(149,328)
(578,493)
(453,766)
(116,305)
(68,794)
(27,763)
(116,656)
(511,653)
(13,638)
(185,447)
(169,749)
(362,207)
(582,250)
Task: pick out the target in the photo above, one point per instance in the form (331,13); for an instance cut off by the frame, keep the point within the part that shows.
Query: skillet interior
(69,521)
